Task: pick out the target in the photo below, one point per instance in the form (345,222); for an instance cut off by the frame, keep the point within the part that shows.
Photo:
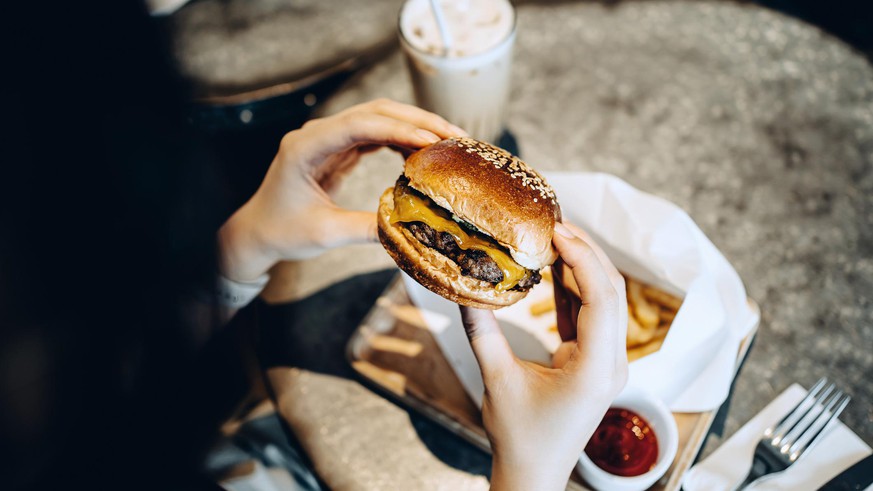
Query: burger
(470,222)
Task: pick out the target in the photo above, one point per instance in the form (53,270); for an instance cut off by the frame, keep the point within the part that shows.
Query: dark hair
(109,212)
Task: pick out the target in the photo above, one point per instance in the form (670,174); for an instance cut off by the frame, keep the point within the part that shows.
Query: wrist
(245,251)
(512,476)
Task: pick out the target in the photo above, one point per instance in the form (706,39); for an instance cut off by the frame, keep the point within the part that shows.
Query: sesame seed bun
(488,188)
(495,191)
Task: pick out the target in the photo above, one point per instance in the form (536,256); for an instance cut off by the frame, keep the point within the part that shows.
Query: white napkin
(838,450)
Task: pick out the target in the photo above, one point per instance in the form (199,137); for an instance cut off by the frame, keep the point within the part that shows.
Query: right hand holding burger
(539,419)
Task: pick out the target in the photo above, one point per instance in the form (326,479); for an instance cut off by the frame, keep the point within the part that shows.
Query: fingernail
(564,231)
(457,130)
(427,135)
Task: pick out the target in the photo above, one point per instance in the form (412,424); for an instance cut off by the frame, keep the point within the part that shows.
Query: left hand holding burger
(539,419)
(292,215)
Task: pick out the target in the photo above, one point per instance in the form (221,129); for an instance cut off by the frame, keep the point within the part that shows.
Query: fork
(797,432)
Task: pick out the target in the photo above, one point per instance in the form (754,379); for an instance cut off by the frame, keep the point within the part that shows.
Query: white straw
(441,24)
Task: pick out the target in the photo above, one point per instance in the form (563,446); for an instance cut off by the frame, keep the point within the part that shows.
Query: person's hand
(539,419)
(292,215)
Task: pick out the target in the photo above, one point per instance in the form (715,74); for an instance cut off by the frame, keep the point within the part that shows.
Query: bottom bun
(433,270)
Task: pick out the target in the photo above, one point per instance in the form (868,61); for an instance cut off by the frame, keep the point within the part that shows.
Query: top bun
(494,191)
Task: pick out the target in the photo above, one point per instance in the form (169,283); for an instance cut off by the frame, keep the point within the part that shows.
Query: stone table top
(758,125)
(225,47)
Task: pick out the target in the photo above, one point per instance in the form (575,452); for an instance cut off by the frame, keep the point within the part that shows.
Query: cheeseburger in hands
(470,222)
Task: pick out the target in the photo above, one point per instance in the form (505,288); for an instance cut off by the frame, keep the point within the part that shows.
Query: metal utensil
(798,431)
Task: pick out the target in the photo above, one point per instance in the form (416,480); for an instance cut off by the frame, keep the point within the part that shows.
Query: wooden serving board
(394,351)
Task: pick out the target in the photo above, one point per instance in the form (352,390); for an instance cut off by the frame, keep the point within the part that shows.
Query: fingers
(414,115)
(611,270)
(566,304)
(363,128)
(488,342)
(323,138)
(312,160)
(590,275)
(345,227)
(599,322)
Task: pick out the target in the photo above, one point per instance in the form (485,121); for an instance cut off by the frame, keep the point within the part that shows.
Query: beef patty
(472,262)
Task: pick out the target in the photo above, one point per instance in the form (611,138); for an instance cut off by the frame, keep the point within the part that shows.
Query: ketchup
(623,444)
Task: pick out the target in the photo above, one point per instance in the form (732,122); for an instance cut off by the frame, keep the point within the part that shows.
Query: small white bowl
(659,417)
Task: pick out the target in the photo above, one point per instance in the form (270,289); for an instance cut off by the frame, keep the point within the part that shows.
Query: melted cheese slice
(409,207)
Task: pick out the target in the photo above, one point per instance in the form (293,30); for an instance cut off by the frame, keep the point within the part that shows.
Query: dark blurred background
(849,20)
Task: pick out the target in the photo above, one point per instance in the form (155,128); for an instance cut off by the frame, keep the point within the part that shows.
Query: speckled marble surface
(758,125)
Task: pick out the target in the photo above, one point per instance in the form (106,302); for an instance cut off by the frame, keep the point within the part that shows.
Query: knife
(857,477)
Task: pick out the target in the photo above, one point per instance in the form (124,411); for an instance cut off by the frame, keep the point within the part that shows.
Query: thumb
(344,227)
(488,342)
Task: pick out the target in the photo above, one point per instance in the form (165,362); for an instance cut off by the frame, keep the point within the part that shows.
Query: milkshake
(468,84)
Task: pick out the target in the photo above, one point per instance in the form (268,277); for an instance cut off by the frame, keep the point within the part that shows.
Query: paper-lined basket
(649,239)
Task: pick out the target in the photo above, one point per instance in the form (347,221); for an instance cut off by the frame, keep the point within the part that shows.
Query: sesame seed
(515,167)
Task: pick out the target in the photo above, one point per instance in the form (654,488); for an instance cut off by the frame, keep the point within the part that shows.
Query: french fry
(646,349)
(542,306)
(547,275)
(650,314)
(645,312)
(637,334)
(666,316)
(661,331)
(662,298)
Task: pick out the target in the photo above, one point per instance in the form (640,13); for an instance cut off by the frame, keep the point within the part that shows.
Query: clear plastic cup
(469,83)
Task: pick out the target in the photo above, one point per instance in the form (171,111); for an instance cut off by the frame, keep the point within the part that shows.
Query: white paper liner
(656,242)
